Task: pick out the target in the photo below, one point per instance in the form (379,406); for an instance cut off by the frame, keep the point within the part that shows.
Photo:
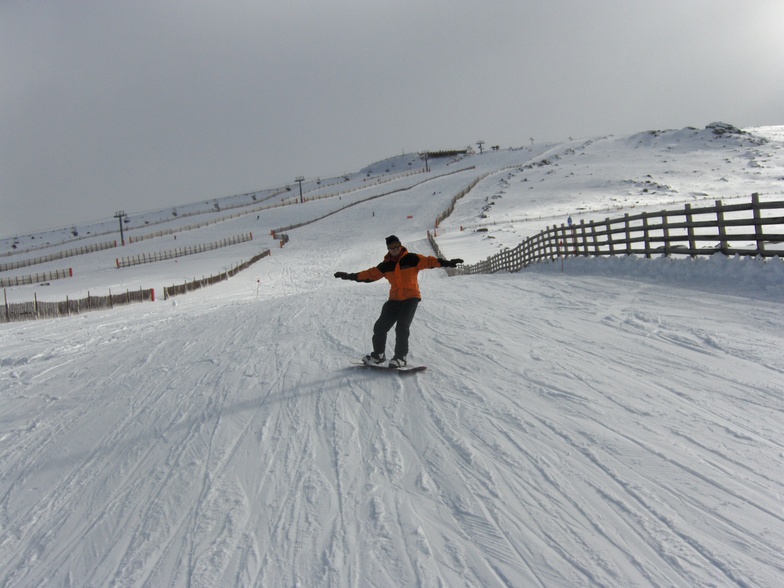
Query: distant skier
(400,268)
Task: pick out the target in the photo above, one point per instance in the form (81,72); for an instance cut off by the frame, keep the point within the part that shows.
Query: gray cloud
(148,104)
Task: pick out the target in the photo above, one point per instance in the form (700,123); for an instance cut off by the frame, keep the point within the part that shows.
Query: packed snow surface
(612,422)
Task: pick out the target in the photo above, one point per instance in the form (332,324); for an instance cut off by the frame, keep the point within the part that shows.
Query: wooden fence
(170,291)
(36,278)
(4,267)
(23,311)
(182,251)
(36,309)
(450,209)
(752,228)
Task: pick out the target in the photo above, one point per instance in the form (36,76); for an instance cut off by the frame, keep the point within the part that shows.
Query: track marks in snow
(579,438)
(538,449)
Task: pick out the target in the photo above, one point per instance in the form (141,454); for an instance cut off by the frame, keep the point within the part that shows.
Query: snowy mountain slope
(607,176)
(617,423)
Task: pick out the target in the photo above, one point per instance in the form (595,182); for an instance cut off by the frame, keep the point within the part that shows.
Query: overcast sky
(145,104)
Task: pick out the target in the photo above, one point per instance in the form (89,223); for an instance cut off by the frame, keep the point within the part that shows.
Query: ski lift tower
(120,214)
(425,155)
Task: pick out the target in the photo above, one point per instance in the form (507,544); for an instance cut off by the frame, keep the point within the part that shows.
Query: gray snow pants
(394,312)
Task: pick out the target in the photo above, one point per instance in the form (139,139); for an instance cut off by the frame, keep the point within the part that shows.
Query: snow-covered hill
(617,423)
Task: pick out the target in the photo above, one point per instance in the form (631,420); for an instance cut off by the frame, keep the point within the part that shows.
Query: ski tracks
(527,454)
(639,493)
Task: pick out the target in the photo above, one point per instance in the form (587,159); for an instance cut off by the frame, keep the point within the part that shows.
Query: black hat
(392,240)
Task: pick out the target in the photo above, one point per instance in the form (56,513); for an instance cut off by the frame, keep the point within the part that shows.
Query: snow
(615,422)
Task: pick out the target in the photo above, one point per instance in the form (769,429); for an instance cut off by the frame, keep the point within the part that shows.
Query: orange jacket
(401,273)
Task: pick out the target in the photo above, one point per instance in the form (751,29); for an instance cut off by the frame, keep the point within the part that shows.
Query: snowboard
(409,369)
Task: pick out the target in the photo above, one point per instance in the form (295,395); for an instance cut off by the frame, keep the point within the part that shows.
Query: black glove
(345,276)
(450,262)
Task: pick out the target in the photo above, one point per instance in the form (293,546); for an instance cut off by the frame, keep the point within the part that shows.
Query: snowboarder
(400,268)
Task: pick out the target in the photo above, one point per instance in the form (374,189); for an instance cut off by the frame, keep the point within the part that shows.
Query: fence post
(690,229)
(646,235)
(723,245)
(628,234)
(594,238)
(666,232)
(755,206)
(609,235)
(7,314)
(583,237)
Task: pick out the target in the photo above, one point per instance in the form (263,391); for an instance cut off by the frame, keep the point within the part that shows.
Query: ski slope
(617,423)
